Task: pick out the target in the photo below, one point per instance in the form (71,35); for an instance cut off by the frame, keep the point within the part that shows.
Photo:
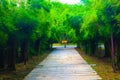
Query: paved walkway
(63,64)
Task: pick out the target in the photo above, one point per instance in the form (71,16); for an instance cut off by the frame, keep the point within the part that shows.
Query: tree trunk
(92,47)
(107,48)
(1,58)
(11,53)
(78,44)
(37,45)
(117,51)
(113,53)
(85,45)
(24,51)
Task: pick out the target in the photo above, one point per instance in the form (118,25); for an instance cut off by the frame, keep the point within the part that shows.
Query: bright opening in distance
(69,1)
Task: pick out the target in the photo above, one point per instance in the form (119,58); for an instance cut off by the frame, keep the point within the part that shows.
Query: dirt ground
(102,66)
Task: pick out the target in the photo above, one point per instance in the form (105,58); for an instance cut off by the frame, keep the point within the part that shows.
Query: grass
(102,66)
(22,70)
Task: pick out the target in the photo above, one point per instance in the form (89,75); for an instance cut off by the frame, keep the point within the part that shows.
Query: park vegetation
(30,27)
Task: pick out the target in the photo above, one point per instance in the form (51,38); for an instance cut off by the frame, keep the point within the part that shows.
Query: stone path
(63,64)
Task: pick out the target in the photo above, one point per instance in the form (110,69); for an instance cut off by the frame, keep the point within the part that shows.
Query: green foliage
(3,38)
(25,24)
(41,23)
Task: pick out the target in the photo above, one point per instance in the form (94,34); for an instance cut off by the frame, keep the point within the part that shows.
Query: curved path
(63,64)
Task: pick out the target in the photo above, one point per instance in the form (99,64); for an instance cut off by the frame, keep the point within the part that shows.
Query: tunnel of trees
(30,27)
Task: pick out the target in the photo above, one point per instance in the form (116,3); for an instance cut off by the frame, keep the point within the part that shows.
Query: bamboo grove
(30,27)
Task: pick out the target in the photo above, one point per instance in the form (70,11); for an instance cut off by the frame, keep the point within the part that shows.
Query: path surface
(63,64)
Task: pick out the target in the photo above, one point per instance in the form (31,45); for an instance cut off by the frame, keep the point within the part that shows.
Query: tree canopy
(28,27)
